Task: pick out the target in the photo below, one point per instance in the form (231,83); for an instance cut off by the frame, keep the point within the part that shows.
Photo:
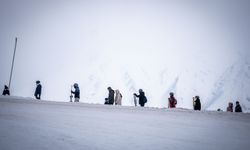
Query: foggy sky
(61,42)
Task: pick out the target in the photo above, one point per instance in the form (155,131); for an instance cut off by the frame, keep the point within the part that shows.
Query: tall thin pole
(13,60)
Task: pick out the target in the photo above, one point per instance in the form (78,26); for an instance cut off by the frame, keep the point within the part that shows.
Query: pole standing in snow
(13,61)
(71,96)
(135,101)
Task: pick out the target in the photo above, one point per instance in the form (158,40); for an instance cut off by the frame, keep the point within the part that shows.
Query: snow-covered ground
(28,124)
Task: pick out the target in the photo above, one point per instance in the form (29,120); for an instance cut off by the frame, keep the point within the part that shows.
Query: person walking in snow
(38,91)
(172,101)
(118,97)
(230,107)
(6,90)
(76,92)
(110,99)
(142,97)
(197,103)
(238,107)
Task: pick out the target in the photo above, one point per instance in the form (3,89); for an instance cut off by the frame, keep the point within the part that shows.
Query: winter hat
(75,85)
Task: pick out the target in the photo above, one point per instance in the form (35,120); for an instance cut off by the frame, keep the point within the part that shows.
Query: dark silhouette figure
(76,92)
(142,97)
(197,103)
(38,91)
(230,107)
(111,97)
(238,107)
(6,90)
(172,101)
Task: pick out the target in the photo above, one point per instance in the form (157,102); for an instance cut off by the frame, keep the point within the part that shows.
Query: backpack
(145,99)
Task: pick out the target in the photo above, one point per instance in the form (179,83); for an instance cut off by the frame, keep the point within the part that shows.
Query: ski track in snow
(26,123)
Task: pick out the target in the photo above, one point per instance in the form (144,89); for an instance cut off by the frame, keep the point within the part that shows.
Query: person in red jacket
(172,101)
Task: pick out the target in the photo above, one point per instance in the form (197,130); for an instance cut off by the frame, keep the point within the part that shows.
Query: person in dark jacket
(111,96)
(142,97)
(76,92)
(238,107)
(172,101)
(197,103)
(38,91)
(6,90)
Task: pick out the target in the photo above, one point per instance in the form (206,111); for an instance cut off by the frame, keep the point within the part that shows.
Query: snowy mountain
(27,123)
(189,48)
(215,90)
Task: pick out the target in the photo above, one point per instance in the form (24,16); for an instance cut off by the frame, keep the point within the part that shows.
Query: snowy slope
(190,48)
(31,124)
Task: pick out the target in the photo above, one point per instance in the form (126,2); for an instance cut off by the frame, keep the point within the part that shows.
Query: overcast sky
(65,41)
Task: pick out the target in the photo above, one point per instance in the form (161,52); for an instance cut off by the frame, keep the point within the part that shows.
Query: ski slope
(28,124)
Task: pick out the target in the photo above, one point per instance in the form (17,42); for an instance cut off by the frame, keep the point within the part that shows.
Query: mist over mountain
(190,48)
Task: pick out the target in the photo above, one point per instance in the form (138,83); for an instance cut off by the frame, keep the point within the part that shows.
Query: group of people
(37,93)
(115,97)
(236,109)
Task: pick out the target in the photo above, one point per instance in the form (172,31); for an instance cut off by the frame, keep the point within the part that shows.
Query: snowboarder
(76,92)
(172,101)
(238,107)
(6,90)
(142,97)
(38,91)
(197,103)
(110,99)
(118,97)
(230,107)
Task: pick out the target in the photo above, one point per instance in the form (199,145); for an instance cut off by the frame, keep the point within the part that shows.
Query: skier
(76,92)
(6,90)
(238,107)
(172,101)
(230,107)
(38,91)
(118,97)
(197,103)
(142,97)
(110,99)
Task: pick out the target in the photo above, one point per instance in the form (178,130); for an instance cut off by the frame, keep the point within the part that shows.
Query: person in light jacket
(118,97)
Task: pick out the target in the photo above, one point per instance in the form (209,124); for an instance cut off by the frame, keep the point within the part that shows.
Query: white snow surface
(28,124)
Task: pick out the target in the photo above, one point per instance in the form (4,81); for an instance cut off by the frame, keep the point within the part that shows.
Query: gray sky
(62,42)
